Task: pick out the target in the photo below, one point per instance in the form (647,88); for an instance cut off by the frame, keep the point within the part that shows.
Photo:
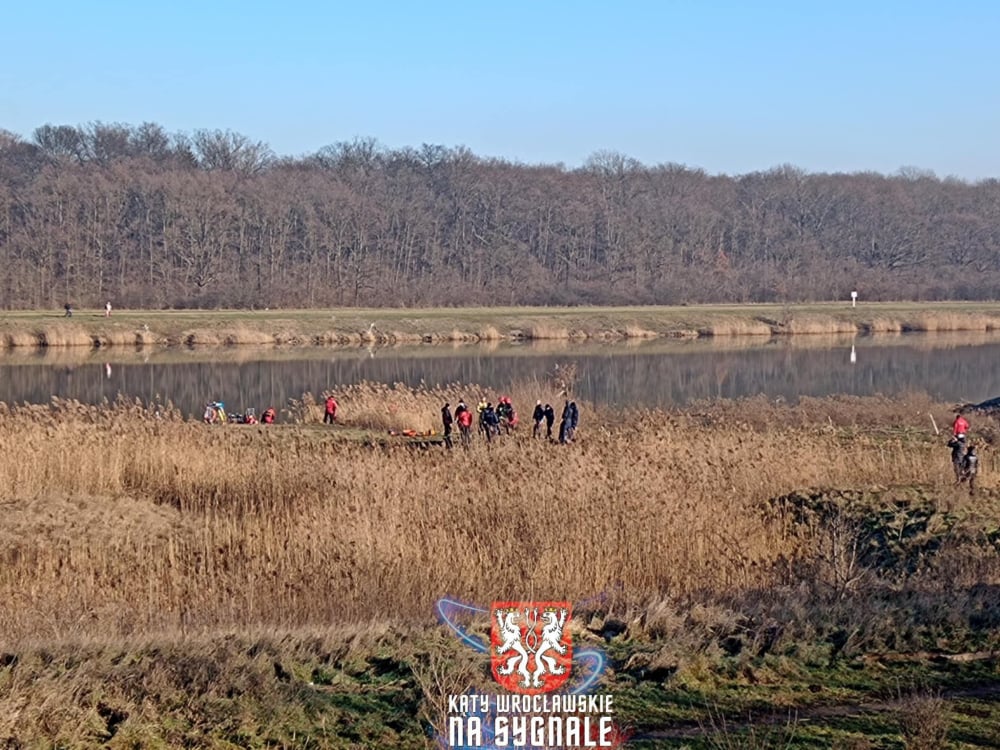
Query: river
(660,372)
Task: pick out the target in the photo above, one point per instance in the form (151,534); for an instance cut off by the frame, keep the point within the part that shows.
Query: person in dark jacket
(970,467)
(574,419)
(564,424)
(550,418)
(537,416)
(491,421)
(447,422)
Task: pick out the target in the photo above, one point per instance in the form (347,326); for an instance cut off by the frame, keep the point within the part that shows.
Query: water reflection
(660,372)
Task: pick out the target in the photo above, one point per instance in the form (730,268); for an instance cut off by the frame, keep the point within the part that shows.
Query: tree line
(213,218)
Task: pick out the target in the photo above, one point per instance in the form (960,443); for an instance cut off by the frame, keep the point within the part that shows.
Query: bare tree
(214,218)
(226,150)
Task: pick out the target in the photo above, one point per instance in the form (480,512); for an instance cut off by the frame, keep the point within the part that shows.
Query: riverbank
(349,326)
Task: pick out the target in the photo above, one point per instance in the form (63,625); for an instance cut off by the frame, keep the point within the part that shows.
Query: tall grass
(125,520)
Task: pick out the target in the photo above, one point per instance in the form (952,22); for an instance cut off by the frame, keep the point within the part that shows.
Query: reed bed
(546,331)
(737,327)
(125,519)
(932,322)
(817,326)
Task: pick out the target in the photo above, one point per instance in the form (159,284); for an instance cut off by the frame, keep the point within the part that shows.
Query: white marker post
(854,299)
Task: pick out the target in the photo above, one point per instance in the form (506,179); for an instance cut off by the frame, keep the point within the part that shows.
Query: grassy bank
(171,584)
(387,326)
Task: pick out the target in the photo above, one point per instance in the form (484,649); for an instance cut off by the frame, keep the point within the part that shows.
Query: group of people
(215,413)
(567,423)
(964,460)
(69,309)
(503,419)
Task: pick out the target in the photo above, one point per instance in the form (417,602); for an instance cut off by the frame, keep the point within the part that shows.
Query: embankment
(347,327)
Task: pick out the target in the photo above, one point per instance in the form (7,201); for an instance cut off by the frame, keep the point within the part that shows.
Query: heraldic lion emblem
(531,651)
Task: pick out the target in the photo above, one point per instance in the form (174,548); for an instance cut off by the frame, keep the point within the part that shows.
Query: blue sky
(730,87)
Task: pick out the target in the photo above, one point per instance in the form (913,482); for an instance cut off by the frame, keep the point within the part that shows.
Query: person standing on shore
(537,416)
(550,418)
(107,309)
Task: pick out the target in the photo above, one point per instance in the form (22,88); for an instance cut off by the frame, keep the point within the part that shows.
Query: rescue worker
(464,418)
(960,427)
(330,415)
(268,416)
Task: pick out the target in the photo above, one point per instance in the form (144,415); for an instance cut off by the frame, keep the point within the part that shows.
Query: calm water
(950,367)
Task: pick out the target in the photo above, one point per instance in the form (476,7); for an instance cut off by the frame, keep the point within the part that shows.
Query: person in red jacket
(464,418)
(960,427)
(331,410)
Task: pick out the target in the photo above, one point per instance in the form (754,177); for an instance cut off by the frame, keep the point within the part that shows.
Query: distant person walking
(69,310)
(107,309)
(447,421)
(330,415)
(550,419)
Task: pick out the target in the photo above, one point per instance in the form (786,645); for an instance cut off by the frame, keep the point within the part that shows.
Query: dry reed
(125,519)
(736,327)
(819,326)
(64,334)
(546,331)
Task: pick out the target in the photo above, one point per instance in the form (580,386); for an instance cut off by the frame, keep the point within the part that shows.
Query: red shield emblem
(530,647)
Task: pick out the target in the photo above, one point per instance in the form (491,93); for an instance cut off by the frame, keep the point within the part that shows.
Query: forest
(146,218)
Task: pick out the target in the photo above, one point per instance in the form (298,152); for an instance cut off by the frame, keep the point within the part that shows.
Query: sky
(728,87)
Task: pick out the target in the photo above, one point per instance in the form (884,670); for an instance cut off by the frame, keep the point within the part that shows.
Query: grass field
(171,584)
(89,328)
